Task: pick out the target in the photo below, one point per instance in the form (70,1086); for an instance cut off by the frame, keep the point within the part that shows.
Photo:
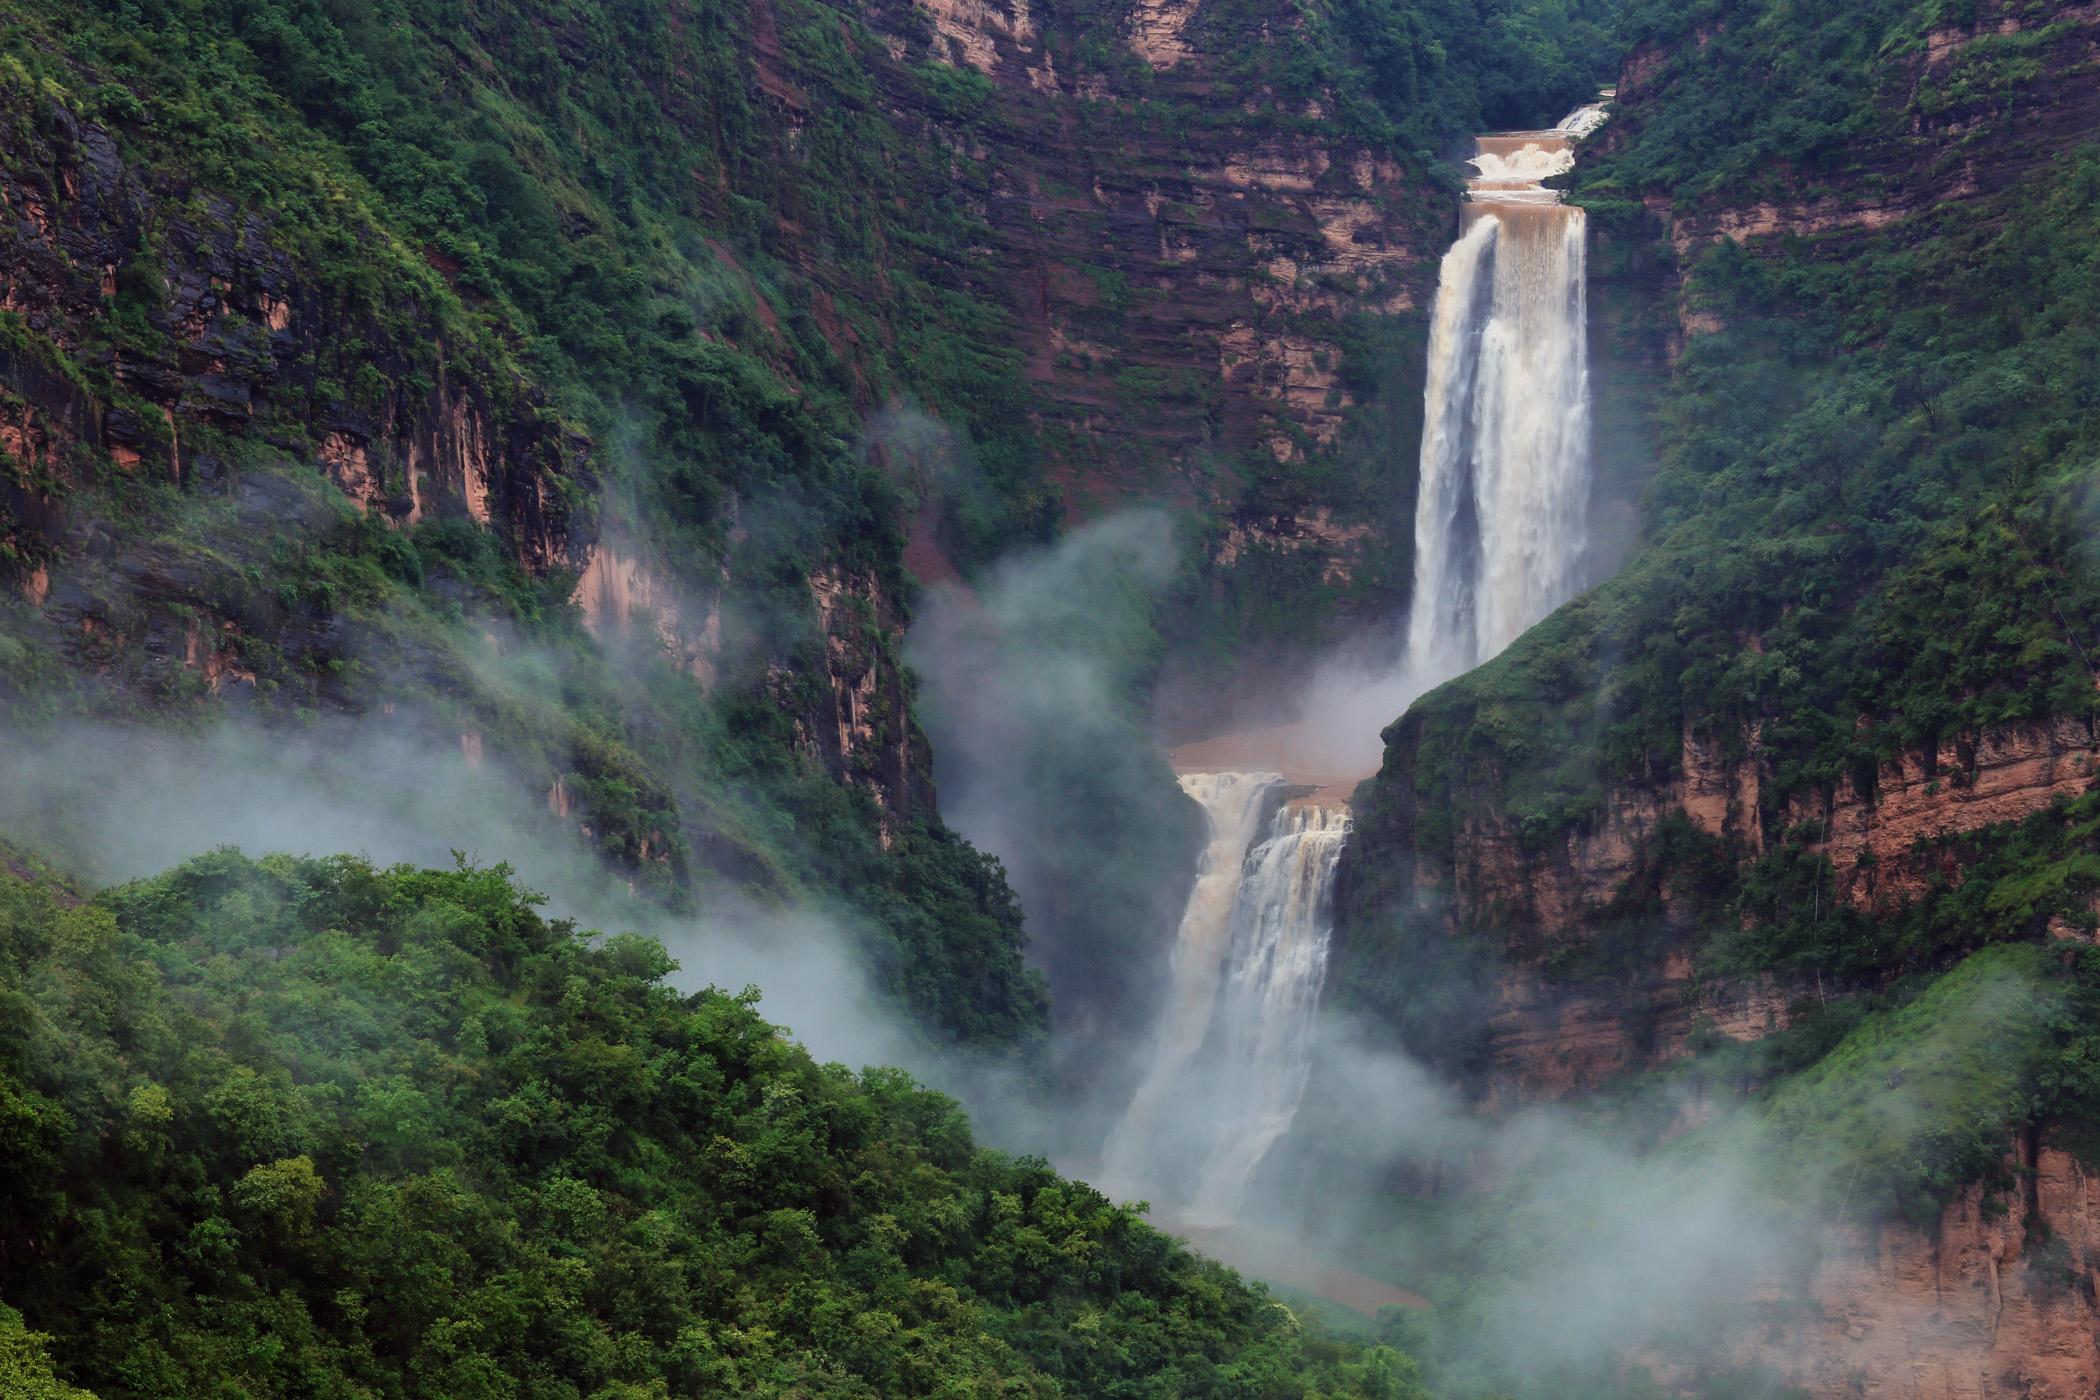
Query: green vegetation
(1868,536)
(1411,74)
(1780,97)
(1867,1109)
(1869,531)
(678,258)
(458,202)
(329,606)
(306,1127)
(1919,1101)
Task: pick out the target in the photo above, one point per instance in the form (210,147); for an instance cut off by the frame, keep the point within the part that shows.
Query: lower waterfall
(1235,1049)
(1281,922)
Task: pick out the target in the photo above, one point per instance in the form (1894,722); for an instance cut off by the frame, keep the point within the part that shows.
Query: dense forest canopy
(311,1127)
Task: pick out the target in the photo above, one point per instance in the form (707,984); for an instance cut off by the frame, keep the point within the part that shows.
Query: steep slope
(579,380)
(444,1147)
(1853,622)
(1831,728)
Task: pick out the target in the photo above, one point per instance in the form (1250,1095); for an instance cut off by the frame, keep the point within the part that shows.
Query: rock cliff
(1549,873)
(1458,855)
(219,331)
(1207,285)
(172,334)
(1996,1298)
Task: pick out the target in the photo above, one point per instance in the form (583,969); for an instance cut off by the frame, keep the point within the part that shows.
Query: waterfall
(1235,1048)
(1500,511)
(1500,535)
(1281,922)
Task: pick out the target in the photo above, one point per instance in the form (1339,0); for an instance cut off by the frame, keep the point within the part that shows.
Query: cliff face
(219,328)
(175,333)
(1551,1033)
(1205,287)
(1964,113)
(1561,847)
(1463,858)
(1996,1298)
(167,333)
(1180,290)
(326,388)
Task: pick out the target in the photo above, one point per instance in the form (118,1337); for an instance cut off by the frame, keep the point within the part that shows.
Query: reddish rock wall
(1178,256)
(1996,1300)
(1550,1036)
(249,348)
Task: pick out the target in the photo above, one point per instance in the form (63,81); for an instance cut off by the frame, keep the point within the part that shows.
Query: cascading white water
(1235,1049)
(1500,514)
(1499,541)
(1281,923)
(1233,804)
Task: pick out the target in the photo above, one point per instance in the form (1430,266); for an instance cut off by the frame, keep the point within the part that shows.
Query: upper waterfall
(1501,506)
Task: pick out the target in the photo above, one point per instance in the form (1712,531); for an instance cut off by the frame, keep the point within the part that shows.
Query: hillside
(310,1127)
(595,386)
(1830,730)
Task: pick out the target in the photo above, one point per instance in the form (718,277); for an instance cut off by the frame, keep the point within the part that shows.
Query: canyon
(944,282)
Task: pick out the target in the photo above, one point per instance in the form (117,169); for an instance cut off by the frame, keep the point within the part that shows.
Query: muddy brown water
(1279,1260)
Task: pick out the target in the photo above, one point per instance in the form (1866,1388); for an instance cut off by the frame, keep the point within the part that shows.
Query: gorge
(840,640)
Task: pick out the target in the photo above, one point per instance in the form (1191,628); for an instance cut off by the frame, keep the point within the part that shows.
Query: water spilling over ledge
(1500,533)
(1500,517)
(1235,1049)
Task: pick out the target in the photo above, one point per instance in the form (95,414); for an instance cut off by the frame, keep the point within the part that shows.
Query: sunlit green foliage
(306,1127)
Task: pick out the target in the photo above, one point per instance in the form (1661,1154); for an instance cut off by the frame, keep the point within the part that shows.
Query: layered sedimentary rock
(1551,1035)
(1178,255)
(1999,1297)
(862,727)
(1973,110)
(244,343)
